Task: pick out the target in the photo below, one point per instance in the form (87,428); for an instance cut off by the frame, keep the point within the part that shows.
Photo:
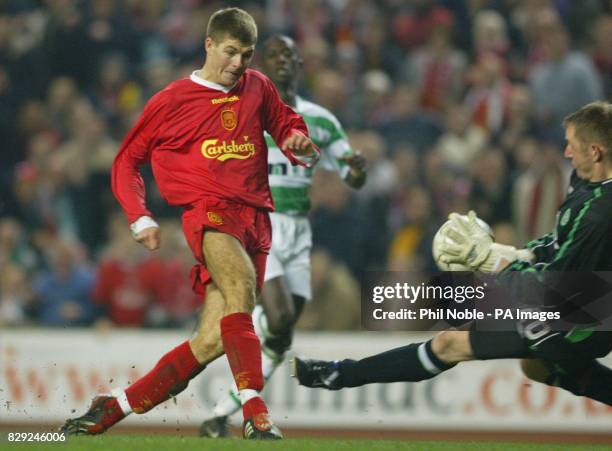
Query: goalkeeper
(581,241)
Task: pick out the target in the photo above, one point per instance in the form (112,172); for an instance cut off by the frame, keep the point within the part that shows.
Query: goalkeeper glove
(470,242)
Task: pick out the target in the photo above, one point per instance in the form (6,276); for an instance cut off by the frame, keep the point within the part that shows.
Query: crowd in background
(456,104)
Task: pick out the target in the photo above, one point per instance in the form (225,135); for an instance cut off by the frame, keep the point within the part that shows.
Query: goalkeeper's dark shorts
(576,347)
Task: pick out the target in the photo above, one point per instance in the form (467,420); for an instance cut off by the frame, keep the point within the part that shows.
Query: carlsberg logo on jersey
(212,149)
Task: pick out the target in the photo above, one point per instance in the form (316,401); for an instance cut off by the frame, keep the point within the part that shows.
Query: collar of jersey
(209,84)
(600,183)
(605,181)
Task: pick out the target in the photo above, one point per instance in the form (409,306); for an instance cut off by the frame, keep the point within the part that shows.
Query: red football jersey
(205,140)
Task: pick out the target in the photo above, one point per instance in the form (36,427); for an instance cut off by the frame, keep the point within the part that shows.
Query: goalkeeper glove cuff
(500,255)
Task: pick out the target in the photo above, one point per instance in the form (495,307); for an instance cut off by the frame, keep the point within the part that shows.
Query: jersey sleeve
(336,146)
(127,183)
(543,248)
(281,121)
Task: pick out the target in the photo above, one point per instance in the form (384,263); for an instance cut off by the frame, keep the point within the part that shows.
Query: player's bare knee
(452,346)
(206,348)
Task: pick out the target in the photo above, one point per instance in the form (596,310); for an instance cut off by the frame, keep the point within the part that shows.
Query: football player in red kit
(203,136)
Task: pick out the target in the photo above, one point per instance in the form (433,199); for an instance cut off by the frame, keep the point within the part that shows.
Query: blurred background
(456,104)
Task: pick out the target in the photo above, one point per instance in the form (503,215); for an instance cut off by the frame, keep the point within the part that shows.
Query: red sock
(168,378)
(253,407)
(112,414)
(243,352)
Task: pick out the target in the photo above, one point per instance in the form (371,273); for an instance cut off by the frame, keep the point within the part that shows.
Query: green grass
(174,443)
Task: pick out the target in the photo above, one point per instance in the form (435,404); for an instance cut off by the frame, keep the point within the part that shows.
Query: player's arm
(126,180)
(543,248)
(357,174)
(287,128)
(337,154)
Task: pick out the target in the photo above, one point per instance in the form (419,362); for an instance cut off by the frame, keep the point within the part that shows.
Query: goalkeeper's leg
(569,362)
(593,380)
(412,363)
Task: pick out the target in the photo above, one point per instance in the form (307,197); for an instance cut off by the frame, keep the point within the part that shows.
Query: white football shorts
(290,253)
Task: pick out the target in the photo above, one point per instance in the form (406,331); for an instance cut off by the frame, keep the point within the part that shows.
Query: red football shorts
(251,226)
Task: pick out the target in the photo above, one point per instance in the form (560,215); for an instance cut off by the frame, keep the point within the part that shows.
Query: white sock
(270,360)
(229,403)
(247,394)
(122,400)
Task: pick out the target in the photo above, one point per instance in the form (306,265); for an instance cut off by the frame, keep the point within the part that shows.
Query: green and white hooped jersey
(290,185)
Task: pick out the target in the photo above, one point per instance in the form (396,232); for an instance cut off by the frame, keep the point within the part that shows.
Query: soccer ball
(441,238)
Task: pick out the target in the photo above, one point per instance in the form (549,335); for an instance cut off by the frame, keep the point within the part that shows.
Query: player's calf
(452,346)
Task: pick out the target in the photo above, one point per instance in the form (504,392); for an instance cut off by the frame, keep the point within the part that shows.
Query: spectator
(490,34)
(437,69)
(174,300)
(14,296)
(85,160)
(413,26)
(14,247)
(489,96)
(410,248)
(602,43)
(490,195)
(335,212)
(335,294)
(407,123)
(63,292)
(519,122)
(564,82)
(538,189)
(463,141)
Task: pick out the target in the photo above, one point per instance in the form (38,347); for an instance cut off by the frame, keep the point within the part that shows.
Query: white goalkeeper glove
(466,242)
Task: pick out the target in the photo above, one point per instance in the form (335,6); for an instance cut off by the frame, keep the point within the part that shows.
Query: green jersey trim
(597,192)
(294,200)
(578,335)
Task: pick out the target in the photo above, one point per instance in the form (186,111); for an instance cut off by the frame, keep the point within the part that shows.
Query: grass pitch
(162,442)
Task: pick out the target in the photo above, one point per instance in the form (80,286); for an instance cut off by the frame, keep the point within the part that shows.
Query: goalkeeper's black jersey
(582,238)
(566,259)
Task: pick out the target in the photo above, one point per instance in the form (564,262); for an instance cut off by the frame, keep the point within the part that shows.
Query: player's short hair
(233,22)
(593,122)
